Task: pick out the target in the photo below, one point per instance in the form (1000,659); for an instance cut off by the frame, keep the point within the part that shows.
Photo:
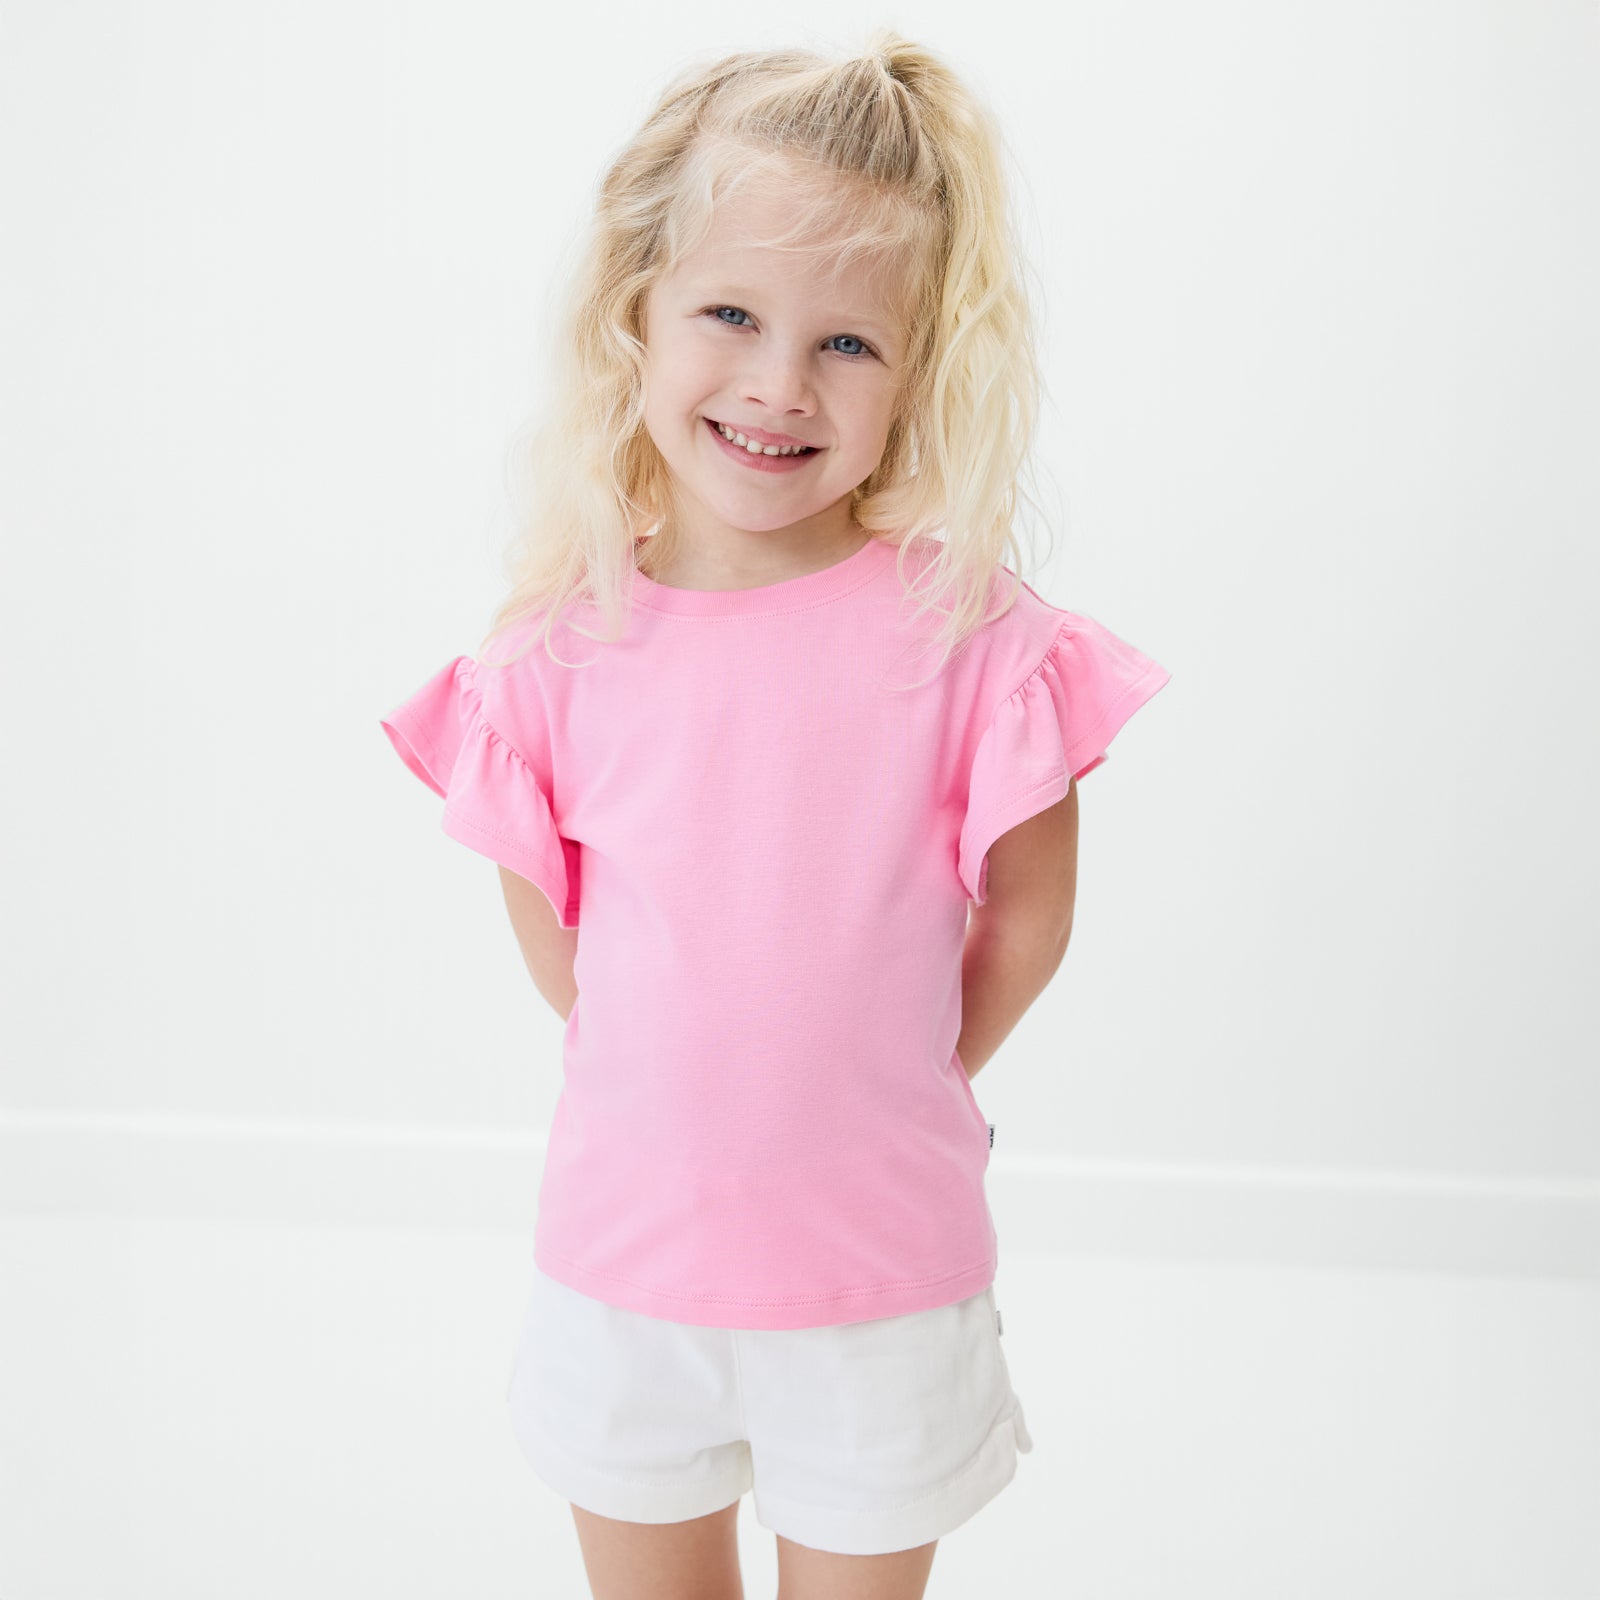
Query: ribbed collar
(789,595)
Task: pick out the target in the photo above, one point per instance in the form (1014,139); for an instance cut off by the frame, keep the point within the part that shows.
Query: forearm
(552,976)
(548,950)
(1004,969)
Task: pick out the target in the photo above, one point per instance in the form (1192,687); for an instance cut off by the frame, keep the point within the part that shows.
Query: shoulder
(1022,629)
(1029,622)
(519,682)
(1036,649)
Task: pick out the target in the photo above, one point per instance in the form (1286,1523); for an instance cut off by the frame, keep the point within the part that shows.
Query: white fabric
(860,1438)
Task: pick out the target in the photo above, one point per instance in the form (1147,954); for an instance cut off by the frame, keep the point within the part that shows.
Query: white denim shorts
(862,1438)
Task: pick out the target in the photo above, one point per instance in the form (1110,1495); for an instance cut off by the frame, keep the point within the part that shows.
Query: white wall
(1322,342)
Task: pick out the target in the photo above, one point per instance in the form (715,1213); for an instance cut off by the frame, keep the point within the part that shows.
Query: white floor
(232,1411)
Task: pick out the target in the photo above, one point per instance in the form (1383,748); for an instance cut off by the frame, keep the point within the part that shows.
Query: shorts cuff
(637,1500)
(859,1532)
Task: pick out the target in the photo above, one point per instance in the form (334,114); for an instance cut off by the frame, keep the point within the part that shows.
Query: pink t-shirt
(768,850)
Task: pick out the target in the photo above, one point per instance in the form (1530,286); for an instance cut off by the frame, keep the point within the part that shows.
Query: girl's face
(770,345)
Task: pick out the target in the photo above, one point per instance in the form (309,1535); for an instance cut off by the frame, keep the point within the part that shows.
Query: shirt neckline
(790,594)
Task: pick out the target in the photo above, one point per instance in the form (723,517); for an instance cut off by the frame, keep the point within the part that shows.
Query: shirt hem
(797,1311)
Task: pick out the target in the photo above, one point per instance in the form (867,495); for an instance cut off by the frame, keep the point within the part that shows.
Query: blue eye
(865,353)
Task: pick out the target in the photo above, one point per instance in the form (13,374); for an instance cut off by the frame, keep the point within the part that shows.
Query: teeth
(758,449)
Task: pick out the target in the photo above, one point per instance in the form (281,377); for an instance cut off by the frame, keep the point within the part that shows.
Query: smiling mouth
(770,452)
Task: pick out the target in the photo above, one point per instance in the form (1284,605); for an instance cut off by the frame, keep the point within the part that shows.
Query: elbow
(1026,936)
(1057,952)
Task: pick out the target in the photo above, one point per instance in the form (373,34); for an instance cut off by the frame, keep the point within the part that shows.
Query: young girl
(791,854)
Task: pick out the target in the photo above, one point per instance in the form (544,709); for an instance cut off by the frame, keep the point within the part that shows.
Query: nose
(777,382)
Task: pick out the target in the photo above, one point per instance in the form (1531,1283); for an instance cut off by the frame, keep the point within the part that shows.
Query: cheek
(669,390)
(870,426)
(687,384)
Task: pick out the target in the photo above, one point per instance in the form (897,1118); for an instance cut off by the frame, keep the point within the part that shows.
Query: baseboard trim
(210,1169)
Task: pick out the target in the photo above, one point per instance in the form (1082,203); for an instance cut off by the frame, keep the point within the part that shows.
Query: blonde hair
(892,159)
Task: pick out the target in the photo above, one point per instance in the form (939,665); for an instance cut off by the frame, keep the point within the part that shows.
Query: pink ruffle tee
(768,848)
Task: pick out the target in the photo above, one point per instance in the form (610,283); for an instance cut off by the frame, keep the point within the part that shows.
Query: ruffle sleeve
(1054,728)
(494,802)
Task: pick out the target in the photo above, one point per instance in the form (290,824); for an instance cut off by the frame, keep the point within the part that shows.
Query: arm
(1017,938)
(547,947)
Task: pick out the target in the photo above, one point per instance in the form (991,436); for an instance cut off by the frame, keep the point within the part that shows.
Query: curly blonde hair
(886,156)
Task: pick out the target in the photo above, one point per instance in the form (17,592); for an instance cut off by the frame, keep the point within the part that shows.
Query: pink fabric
(769,852)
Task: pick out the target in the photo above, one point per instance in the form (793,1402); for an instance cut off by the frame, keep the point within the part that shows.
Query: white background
(1322,346)
(1323,353)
